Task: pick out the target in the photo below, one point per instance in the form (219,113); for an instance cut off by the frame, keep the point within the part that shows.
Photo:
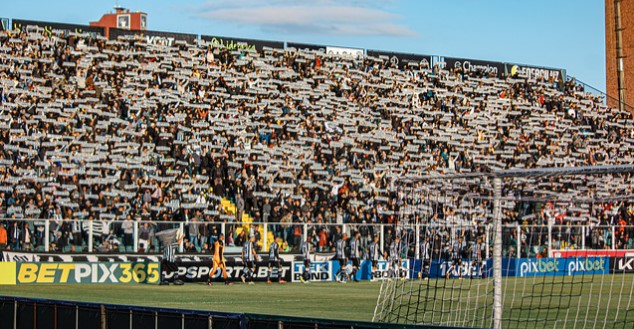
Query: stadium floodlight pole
(497,254)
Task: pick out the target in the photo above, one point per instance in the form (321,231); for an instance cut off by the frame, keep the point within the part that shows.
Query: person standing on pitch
(425,256)
(456,259)
(249,256)
(305,278)
(168,262)
(275,262)
(340,255)
(354,255)
(219,260)
(477,263)
(395,258)
(374,254)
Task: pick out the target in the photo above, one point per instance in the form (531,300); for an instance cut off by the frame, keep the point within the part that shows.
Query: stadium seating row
(105,130)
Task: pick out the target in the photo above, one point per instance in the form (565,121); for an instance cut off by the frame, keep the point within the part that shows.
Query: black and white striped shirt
(306,250)
(354,248)
(476,252)
(340,253)
(247,252)
(456,251)
(394,252)
(76,226)
(374,252)
(425,250)
(169,253)
(274,252)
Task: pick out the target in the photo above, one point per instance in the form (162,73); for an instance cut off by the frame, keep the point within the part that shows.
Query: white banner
(18,256)
(319,271)
(345,52)
(535,72)
(383,270)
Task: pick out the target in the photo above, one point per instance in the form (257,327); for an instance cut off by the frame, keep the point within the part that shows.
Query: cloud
(347,17)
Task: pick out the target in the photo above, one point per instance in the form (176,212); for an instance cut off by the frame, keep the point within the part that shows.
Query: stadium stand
(112,131)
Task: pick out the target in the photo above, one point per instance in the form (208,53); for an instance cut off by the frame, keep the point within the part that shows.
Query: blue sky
(567,34)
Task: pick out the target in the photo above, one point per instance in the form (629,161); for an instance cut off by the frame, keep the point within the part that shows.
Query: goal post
(514,249)
(497,254)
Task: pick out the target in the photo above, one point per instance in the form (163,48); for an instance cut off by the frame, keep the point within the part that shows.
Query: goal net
(514,249)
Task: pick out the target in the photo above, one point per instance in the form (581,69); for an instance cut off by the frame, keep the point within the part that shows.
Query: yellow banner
(7,273)
(34,273)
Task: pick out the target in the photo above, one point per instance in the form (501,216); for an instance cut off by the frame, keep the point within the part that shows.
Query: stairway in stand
(230,208)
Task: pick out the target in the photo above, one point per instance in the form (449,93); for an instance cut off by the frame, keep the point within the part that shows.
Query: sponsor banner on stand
(75,273)
(535,72)
(7,273)
(199,271)
(529,267)
(322,257)
(593,253)
(345,52)
(20,256)
(525,267)
(319,271)
(17,256)
(469,65)
(157,38)
(466,269)
(49,27)
(382,271)
(242,44)
(622,265)
(305,46)
(4,24)
(401,60)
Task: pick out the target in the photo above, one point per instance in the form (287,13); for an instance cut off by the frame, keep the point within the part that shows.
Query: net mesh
(446,233)
(556,230)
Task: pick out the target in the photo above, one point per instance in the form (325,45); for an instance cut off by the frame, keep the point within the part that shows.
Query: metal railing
(607,99)
(18,312)
(518,241)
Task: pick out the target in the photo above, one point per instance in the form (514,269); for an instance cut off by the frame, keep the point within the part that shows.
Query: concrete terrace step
(231,208)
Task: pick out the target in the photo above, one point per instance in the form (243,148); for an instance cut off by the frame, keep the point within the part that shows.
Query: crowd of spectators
(101,133)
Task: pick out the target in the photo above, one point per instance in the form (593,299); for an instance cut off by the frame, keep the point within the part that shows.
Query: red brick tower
(122,19)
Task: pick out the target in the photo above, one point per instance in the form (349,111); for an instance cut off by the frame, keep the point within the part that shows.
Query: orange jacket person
(219,260)
(3,237)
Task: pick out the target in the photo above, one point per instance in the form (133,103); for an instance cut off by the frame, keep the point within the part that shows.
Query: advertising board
(242,44)
(305,46)
(199,271)
(21,24)
(593,253)
(475,66)
(402,60)
(319,271)
(4,24)
(622,265)
(76,273)
(535,72)
(531,267)
(383,270)
(157,38)
(345,52)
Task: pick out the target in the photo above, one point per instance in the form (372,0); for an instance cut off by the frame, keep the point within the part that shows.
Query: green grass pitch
(605,297)
(350,301)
